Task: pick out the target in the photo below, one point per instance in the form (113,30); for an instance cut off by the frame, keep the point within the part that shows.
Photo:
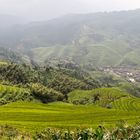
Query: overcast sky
(33,10)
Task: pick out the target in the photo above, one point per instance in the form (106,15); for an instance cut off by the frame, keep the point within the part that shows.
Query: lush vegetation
(45,94)
(10,133)
(106,97)
(99,39)
(101,96)
(11,94)
(70,85)
(121,131)
(33,116)
(46,84)
(17,74)
(28,96)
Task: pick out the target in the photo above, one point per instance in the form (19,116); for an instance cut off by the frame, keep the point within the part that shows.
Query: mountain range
(96,39)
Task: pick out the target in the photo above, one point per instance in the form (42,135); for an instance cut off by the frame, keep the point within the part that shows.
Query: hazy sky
(47,9)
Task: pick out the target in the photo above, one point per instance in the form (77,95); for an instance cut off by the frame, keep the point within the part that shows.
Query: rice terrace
(69,70)
(34,116)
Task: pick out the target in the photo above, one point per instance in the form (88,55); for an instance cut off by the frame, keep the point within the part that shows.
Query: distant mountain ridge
(8,21)
(99,39)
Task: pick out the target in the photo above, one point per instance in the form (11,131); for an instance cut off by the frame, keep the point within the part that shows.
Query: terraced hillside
(107,53)
(36,116)
(98,39)
(106,97)
(103,106)
(127,104)
(102,96)
(11,94)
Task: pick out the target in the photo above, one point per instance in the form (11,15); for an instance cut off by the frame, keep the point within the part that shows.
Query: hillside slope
(9,55)
(97,39)
(111,98)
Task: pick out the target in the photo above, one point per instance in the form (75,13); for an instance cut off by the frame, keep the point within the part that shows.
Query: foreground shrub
(9,133)
(122,132)
(78,134)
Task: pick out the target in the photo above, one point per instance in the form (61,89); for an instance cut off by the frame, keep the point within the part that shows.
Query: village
(130,74)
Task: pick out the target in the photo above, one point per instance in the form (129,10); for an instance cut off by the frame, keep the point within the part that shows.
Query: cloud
(47,9)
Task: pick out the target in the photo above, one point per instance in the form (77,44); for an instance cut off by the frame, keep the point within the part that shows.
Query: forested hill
(97,39)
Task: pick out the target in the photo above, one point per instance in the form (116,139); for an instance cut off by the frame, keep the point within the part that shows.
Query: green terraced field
(36,116)
(127,104)
(12,94)
(118,99)
(98,55)
(106,95)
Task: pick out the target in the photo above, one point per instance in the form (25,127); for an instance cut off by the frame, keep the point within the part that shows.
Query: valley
(65,97)
(73,77)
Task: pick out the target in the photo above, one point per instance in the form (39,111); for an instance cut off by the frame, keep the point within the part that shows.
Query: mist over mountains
(70,77)
(98,39)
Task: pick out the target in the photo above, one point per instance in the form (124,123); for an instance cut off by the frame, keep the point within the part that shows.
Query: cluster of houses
(129,73)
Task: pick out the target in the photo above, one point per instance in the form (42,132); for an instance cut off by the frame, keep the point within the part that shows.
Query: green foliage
(61,80)
(18,74)
(65,84)
(67,80)
(122,131)
(128,103)
(119,133)
(10,133)
(106,97)
(133,89)
(101,96)
(45,94)
(46,84)
(34,92)
(11,94)
(79,134)
(107,80)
